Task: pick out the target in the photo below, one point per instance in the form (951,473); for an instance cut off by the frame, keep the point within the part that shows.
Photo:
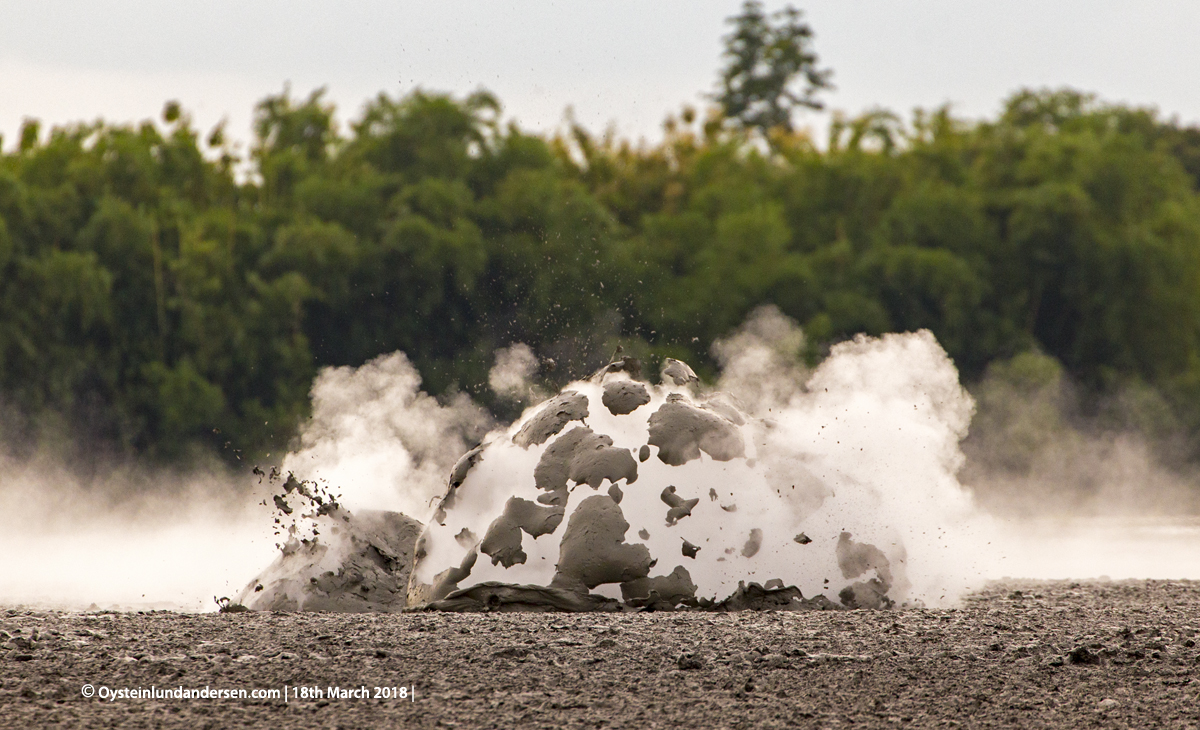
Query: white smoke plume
(381,442)
(760,362)
(512,375)
(870,438)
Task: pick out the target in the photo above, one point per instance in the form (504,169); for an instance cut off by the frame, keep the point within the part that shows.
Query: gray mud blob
(379,549)
(457,476)
(802,539)
(615,492)
(729,507)
(446,582)
(865,594)
(678,372)
(644,534)
(681,431)
(622,397)
(679,507)
(753,543)
(465,538)
(755,597)
(661,591)
(551,417)
(643,453)
(690,550)
(718,404)
(582,457)
(502,543)
(773,584)
(855,559)
(282,504)
(593,550)
(506,597)
(712,494)
(463,466)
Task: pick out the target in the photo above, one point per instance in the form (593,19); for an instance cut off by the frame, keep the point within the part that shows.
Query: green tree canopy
(154,299)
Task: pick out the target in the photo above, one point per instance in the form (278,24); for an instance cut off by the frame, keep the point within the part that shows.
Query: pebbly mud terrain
(1018,654)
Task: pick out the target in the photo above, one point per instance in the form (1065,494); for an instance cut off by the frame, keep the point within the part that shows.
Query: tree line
(161,296)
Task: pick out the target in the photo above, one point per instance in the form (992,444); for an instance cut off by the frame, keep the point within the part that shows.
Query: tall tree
(771,68)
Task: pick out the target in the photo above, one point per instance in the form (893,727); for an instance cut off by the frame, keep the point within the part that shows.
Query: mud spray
(841,481)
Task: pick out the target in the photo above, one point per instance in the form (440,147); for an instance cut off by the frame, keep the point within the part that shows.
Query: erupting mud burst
(837,484)
(619,490)
(623,490)
(331,559)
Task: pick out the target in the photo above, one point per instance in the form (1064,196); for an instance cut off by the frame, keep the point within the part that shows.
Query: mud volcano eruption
(777,488)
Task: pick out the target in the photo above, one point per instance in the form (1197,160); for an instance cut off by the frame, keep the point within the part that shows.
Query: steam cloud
(380,441)
(127,538)
(512,375)
(876,427)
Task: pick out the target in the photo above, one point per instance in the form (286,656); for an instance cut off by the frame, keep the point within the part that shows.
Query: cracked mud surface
(1018,654)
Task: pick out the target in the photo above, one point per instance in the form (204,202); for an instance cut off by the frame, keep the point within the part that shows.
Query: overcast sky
(618,61)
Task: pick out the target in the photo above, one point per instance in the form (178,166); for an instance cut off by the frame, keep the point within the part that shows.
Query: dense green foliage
(151,293)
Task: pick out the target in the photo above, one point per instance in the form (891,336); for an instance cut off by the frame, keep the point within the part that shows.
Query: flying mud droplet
(679,507)
(583,457)
(282,504)
(457,476)
(689,550)
(630,365)
(753,543)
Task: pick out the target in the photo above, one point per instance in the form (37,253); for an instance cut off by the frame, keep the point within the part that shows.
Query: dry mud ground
(1018,654)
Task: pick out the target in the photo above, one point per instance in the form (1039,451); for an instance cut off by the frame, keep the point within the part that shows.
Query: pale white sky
(627,62)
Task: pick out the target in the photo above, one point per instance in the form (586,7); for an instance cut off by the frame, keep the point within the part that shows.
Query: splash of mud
(673,494)
(618,492)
